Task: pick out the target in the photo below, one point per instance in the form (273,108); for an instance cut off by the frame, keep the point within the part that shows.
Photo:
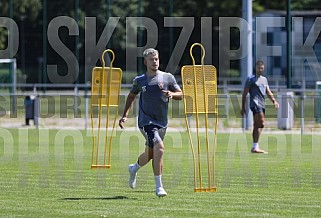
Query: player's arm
(245,92)
(176,95)
(271,97)
(129,102)
(174,91)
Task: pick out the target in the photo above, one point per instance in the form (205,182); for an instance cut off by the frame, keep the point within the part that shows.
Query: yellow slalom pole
(106,85)
(192,147)
(109,75)
(100,110)
(92,131)
(200,84)
(197,118)
(206,115)
(215,141)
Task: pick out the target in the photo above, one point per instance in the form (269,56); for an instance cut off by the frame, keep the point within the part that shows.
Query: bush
(5,76)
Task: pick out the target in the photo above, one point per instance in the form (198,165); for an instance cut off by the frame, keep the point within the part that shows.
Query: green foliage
(22,10)
(3,38)
(306,5)
(30,12)
(28,8)
(261,5)
(257,7)
(5,76)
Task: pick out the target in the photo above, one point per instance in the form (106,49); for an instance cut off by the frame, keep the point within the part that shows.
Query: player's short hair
(150,51)
(259,63)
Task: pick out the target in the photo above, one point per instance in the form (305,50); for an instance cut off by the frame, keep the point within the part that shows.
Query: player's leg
(259,119)
(142,160)
(158,168)
(158,148)
(155,136)
(158,158)
(258,126)
(145,157)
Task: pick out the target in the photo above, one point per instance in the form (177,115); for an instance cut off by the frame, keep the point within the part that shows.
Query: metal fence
(73,101)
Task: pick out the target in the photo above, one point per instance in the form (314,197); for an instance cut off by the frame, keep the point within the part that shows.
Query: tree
(22,10)
(30,12)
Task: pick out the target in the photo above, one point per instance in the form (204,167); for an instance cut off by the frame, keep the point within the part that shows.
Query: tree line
(33,17)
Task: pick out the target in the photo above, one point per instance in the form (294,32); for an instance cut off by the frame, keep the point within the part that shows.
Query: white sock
(255,145)
(158,181)
(136,166)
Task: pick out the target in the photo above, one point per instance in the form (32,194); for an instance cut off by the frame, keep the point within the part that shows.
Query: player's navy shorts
(257,109)
(153,134)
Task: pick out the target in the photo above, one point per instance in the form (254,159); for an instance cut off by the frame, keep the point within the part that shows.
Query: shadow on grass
(143,191)
(97,198)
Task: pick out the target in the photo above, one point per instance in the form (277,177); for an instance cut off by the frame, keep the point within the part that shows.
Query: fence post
(86,107)
(226,92)
(36,110)
(302,97)
(285,112)
(75,100)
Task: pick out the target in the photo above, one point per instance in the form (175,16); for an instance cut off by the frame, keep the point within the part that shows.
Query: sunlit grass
(46,173)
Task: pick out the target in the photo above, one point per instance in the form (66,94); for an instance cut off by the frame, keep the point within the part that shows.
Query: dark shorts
(153,134)
(257,109)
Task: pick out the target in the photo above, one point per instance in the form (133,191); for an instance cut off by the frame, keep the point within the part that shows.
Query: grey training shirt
(257,86)
(153,104)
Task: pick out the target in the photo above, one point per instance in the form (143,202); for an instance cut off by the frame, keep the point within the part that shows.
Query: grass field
(46,173)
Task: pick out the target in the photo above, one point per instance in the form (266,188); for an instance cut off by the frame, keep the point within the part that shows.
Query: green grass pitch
(46,173)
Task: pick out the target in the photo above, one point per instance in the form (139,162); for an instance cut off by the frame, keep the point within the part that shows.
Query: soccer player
(155,88)
(257,86)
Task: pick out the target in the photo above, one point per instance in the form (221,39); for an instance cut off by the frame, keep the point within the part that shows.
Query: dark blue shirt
(153,104)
